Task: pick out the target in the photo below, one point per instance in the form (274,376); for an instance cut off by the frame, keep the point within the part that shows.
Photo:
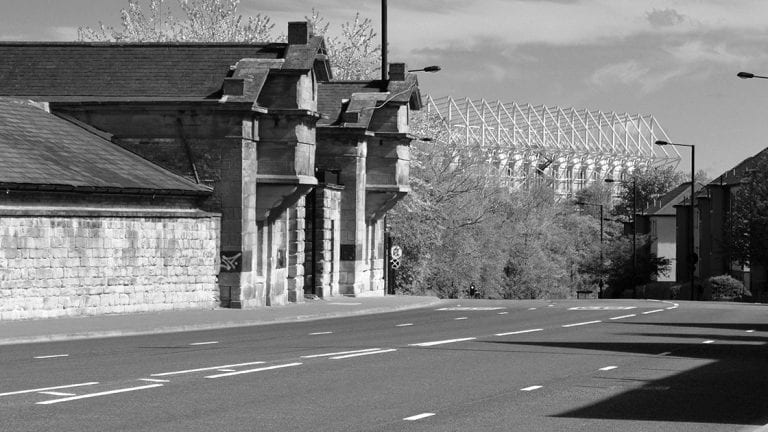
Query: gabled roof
(734,175)
(665,206)
(56,71)
(335,97)
(41,150)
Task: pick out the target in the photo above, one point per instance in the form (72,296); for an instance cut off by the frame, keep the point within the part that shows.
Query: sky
(674,59)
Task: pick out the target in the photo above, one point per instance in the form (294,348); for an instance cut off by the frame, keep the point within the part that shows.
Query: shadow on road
(733,389)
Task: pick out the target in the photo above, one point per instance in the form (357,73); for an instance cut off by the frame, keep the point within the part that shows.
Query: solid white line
(207,368)
(531,388)
(623,316)
(340,353)
(459,318)
(51,356)
(320,333)
(91,395)
(254,370)
(653,311)
(440,342)
(205,343)
(581,323)
(708,341)
(419,416)
(518,332)
(404,325)
(48,388)
(607,368)
(153,380)
(53,393)
(363,354)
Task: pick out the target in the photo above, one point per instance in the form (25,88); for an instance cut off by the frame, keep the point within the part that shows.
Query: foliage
(748,219)
(646,186)
(625,270)
(200,21)
(726,287)
(355,54)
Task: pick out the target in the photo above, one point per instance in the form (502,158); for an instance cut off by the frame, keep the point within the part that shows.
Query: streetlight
(426,69)
(602,260)
(634,231)
(691,249)
(747,75)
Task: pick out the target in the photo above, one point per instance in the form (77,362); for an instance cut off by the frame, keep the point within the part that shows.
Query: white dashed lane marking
(502,313)
(653,311)
(708,341)
(623,316)
(155,380)
(340,353)
(581,323)
(531,388)
(459,318)
(205,343)
(519,332)
(37,390)
(607,368)
(321,333)
(51,356)
(750,331)
(404,325)
(363,354)
(247,371)
(105,393)
(419,416)
(441,342)
(54,393)
(206,369)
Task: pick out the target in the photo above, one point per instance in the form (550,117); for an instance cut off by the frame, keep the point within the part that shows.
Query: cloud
(664,18)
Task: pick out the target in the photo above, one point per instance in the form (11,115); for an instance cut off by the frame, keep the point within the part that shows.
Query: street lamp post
(602,259)
(634,231)
(747,75)
(691,248)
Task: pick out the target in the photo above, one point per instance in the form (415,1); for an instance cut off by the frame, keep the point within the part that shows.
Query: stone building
(302,168)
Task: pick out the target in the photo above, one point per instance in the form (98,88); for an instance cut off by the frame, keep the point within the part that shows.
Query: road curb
(212,326)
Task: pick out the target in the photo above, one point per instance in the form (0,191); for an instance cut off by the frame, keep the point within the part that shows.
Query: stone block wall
(54,266)
(324,238)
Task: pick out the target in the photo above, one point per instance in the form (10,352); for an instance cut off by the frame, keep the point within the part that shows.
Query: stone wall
(85,265)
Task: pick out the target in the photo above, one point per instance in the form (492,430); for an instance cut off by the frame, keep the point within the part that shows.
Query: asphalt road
(462,366)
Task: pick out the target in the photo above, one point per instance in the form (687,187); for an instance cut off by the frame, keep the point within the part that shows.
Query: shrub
(725,287)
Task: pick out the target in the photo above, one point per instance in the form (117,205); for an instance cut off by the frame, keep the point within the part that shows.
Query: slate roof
(50,71)
(42,150)
(734,175)
(332,93)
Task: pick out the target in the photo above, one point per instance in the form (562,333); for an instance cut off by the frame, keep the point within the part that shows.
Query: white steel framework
(565,148)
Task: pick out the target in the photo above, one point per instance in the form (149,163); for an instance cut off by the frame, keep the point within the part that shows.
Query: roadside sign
(396,252)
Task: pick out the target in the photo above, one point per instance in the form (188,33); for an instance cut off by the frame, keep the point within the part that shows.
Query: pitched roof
(334,96)
(40,149)
(665,206)
(51,71)
(734,175)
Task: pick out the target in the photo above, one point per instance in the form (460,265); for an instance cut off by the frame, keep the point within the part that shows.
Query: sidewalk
(58,329)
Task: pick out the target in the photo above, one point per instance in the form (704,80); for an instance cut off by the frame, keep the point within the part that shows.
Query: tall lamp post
(747,75)
(634,230)
(691,248)
(602,259)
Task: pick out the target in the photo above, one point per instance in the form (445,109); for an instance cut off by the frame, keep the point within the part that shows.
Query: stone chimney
(397,71)
(299,32)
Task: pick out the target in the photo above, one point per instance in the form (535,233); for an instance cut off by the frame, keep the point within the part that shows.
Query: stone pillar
(296,251)
(324,253)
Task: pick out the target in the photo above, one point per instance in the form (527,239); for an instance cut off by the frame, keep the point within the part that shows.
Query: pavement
(85,327)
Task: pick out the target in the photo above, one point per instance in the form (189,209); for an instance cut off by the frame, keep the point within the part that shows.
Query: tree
(201,21)
(748,219)
(355,54)
(650,185)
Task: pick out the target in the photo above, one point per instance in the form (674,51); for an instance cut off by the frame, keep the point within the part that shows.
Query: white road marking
(502,313)
(345,304)
(321,333)
(254,370)
(470,308)
(653,311)
(531,388)
(624,316)
(53,393)
(708,341)
(37,390)
(207,368)
(441,342)
(225,370)
(581,323)
(105,393)
(340,353)
(205,343)
(665,353)
(459,318)
(419,416)
(404,325)
(51,356)
(153,380)
(750,331)
(607,368)
(363,354)
(591,308)
(550,305)
(531,308)
(518,332)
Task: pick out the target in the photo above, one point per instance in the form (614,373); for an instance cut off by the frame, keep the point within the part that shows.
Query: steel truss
(565,148)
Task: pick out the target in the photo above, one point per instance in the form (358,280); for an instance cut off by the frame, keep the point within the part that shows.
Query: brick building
(301,168)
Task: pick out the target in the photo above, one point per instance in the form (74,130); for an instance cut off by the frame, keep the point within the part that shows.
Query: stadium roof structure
(567,148)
